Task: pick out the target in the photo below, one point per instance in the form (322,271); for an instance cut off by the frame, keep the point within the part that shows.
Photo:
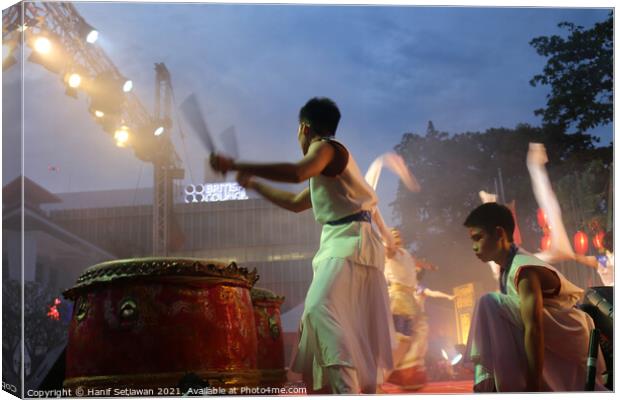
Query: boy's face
(303,136)
(485,245)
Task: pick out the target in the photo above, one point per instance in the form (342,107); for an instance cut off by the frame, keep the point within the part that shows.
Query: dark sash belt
(362,216)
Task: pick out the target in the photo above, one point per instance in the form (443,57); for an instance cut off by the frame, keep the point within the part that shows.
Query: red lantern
(541,216)
(597,241)
(580,240)
(545,243)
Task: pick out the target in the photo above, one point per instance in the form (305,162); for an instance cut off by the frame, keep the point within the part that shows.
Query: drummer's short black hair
(490,215)
(322,114)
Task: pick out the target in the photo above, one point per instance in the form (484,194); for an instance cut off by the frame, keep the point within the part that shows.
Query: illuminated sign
(464,308)
(210,192)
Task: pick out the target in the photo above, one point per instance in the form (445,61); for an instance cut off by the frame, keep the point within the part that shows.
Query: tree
(580,72)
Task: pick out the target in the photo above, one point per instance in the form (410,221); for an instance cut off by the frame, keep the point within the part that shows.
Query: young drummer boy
(345,335)
(529,337)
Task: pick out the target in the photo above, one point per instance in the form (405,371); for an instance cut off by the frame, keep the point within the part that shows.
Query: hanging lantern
(580,240)
(545,243)
(597,240)
(541,216)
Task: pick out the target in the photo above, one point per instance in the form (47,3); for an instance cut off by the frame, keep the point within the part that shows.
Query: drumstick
(193,114)
(396,163)
(228,139)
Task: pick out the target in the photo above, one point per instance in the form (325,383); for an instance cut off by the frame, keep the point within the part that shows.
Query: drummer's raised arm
(295,202)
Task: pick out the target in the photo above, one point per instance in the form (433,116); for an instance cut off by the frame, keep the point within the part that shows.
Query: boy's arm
(437,294)
(530,294)
(589,261)
(319,155)
(287,200)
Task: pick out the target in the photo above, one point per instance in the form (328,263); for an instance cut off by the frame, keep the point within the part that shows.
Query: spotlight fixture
(42,45)
(122,136)
(87,32)
(74,80)
(47,51)
(75,77)
(148,139)
(127,86)
(92,36)
(456,359)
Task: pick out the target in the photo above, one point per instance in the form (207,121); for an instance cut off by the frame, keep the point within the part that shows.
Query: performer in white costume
(529,337)
(345,337)
(400,272)
(407,298)
(560,248)
(419,347)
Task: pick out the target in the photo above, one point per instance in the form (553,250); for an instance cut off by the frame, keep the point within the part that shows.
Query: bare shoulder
(339,158)
(548,279)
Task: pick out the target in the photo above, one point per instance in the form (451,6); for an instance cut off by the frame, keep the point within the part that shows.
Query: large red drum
(147,323)
(270,341)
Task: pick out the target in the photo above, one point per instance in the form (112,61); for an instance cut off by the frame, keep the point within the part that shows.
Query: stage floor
(443,387)
(434,387)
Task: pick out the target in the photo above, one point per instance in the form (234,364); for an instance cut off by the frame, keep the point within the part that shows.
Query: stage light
(444,354)
(456,359)
(48,52)
(75,77)
(87,32)
(99,114)
(122,136)
(92,36)
(148,138)
(42,45)
(74,80)
(127,86)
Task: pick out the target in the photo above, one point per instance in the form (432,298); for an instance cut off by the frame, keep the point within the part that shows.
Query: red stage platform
(443,387)
(434,387)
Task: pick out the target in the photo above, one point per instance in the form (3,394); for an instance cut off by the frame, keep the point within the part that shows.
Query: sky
(391,69)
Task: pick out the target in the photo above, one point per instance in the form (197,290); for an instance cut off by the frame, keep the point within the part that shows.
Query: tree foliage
(580,72)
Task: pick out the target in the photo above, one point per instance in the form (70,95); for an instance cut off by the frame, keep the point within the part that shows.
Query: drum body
(270,361)
(147,323)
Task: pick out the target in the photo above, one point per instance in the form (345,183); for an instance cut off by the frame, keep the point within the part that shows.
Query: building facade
(251,231)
